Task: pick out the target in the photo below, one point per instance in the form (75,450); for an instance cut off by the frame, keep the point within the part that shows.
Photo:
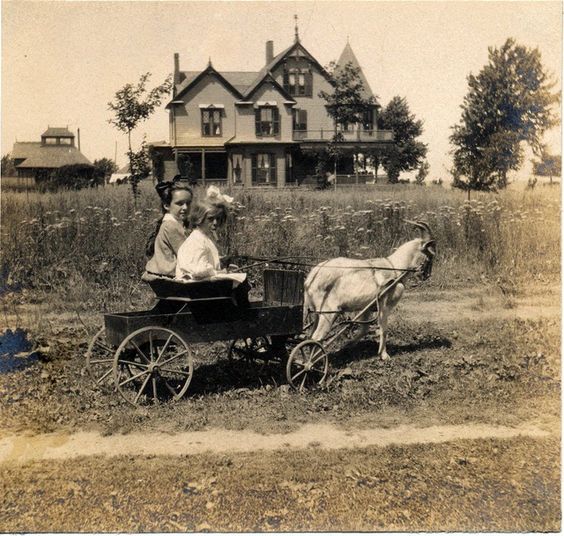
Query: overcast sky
(63,61)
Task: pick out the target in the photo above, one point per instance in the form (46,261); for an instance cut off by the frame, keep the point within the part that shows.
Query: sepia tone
(390,359)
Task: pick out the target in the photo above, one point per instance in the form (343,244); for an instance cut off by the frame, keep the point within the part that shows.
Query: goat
(350,285)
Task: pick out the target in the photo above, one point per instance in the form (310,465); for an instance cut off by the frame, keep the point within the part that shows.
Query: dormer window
(211,122)
(298,82)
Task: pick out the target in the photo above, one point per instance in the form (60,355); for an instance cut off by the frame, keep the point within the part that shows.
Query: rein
(285,260)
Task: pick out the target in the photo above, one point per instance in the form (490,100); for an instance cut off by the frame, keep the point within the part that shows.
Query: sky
(63,61)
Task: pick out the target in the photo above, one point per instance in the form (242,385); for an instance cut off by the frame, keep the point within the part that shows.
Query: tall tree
(8,167)
(133,104)
(347,103)
(406,153)
(548,166)
(508,103)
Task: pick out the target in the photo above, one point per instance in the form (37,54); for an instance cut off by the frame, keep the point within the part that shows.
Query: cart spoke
(185,351)
(172,371)
(140,351)
(104,376)
(303,382)
(134,364)
(131,378)
(154,381)
(163,349)
(298,374)
(151,345)
(145,382)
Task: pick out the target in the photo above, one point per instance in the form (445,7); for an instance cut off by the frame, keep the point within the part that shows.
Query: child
(170,233)
(198,257)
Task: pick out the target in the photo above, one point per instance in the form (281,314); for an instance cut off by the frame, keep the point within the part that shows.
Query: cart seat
(208,300)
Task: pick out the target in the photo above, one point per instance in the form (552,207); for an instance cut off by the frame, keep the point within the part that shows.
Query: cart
(148,356)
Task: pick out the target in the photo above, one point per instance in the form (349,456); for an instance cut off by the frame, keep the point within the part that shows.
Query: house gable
(207,75)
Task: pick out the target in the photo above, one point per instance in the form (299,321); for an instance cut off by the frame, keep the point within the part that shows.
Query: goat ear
(430,246)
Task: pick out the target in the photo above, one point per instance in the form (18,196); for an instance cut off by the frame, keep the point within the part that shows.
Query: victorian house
(258,128)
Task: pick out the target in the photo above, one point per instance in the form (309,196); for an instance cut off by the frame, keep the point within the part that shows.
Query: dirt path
(60,446)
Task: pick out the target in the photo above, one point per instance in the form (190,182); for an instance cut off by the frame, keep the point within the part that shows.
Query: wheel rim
(152,365)
(307,366)
(99,360)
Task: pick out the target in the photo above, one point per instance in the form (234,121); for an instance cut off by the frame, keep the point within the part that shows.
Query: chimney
(269,51)
(176,75)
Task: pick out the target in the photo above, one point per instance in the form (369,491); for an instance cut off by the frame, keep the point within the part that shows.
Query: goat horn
(423,225)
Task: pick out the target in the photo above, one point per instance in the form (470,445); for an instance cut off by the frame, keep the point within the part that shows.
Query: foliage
(104,168)
(157,163)
(406,153)
(139,166)
(548,166)
(8,168)
(422,172)
(88,245)
(71,177)
(133,104)
(346,105)
(508,103)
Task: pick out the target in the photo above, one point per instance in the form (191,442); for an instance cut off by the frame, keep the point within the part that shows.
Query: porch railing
(348,135)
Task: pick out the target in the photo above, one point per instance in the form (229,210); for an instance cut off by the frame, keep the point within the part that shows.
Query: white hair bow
(215,196)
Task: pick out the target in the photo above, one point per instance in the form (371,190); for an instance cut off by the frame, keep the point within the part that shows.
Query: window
(211,122)
(267,121)
(264,168)
(298,82)
(51,141)
(65,141)
(368,120)
(300,120)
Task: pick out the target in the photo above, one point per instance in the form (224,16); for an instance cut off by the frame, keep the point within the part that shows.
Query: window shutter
(258,130)
(254,166)
(275,121)
(303,119)
(286,82)
(273,178)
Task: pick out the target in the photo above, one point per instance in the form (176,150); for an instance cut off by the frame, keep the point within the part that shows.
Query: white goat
(349,285)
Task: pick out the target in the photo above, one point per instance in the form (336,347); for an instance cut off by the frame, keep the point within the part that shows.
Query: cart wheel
(99,360)
(250,349)
(152,365)
(307,365)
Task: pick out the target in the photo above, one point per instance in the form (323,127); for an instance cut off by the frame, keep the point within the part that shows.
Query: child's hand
(232,268)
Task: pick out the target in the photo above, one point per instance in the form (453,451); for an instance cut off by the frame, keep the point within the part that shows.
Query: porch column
(229,177)
(203,165)
(280,169)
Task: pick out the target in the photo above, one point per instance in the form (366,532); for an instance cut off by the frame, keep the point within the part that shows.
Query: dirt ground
(458,431)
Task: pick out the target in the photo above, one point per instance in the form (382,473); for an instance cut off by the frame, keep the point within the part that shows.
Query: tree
(133,104)
(346,104)
(548,166)
(104,168)
(406,153)
(508,103)
(422,172)
(8,168)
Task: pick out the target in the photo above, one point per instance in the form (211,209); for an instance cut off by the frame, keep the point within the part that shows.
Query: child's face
(212,222)
(180,205)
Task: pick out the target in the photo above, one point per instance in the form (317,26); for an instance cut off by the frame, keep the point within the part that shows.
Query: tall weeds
(86,248)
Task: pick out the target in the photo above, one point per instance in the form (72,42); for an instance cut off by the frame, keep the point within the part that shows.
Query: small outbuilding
(39,160)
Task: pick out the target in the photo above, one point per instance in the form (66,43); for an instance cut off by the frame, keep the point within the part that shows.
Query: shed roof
(60,132)
(47,156)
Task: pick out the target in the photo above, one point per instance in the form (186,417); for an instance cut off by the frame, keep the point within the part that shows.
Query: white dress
(198,259)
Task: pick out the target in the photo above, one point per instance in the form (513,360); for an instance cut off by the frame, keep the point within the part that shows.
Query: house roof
(47,156)
(192,80)
(61,132)
(348,56)
(246,82)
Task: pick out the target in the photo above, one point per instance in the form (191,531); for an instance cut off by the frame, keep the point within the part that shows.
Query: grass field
(89,245)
